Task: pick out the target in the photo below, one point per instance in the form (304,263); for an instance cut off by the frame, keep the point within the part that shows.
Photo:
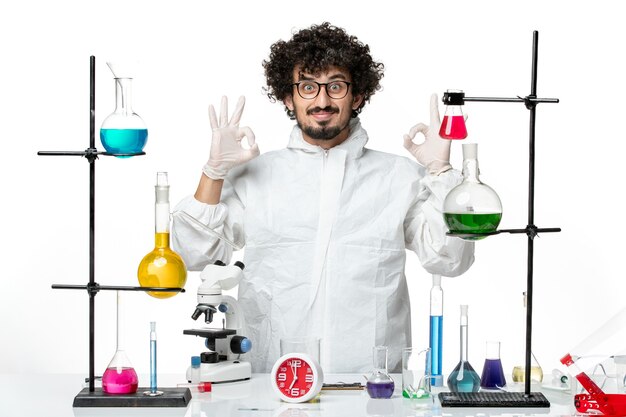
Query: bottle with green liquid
(472,207)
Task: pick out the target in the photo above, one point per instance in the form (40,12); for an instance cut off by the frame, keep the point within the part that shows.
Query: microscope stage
(210,333)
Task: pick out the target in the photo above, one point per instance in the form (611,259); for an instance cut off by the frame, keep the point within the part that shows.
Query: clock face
(296,377)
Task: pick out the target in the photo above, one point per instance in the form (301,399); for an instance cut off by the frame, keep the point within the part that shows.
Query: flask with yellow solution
(162,267)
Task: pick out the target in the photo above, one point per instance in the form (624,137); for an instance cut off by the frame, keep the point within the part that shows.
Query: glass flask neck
(120,322)
(463,334)
(380,359)
(124,96)
(471,170)
(162,211)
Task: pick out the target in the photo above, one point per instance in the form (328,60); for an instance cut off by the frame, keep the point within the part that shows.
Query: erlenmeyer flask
(453,123)
(379,384)
(464,378)
(472,207)
(493,373)
(120,376)
(162,267)
(123,131)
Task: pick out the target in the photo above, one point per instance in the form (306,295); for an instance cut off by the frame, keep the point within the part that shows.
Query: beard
(323,131)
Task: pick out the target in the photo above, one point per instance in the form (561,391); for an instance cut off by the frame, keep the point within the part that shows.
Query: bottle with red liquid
(120,376)
(453,124)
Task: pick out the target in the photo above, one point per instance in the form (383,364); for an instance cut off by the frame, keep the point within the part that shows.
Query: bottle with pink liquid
(120,376)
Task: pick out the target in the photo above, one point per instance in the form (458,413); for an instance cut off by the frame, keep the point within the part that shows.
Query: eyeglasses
(308,90)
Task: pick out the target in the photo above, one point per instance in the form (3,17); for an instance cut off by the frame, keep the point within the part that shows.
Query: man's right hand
(226,149)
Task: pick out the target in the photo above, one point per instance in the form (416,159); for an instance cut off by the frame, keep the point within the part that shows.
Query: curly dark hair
(316,49)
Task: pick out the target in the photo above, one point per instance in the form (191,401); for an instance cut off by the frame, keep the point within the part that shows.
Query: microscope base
(225,371)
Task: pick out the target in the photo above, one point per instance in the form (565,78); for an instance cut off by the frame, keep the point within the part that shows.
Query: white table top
(52,395)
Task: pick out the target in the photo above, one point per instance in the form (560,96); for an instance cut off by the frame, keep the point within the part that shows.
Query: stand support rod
(531,215)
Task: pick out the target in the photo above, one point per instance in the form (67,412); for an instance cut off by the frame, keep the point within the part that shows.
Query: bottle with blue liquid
(464,378)
(123,132)
(436,331)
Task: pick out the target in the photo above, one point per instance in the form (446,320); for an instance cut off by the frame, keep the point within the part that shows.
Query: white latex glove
(226,149)
(434,152)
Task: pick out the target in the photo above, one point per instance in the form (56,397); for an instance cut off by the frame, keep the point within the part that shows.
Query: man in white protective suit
(326,222)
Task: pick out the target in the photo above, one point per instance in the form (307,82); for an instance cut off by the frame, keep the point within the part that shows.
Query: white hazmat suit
(325,234)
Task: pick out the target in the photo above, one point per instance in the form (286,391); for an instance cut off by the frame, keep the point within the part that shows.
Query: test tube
(153,363)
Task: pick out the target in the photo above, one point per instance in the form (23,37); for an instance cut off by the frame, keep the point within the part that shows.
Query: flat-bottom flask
(120,376)
(464,378)
(493,373)
(380,384)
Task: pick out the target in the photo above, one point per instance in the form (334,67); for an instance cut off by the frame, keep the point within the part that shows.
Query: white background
(192,52)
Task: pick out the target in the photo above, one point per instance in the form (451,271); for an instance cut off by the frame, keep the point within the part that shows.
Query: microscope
(221,363)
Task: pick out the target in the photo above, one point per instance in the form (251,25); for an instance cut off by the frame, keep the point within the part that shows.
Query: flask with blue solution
(123,132)
(464,378)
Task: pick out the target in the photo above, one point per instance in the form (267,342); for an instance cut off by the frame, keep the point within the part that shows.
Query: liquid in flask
(123,132)
(472,208)
(162,267)
(119,377)
(493,373)
(380,384)
(453,123)
(464,378)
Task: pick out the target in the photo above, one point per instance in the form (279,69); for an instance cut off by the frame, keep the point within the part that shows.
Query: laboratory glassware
(436,331)
(120,376)
(195,369)
(416,378)
(472,207)
(153,363)
(380,384)
(493,373)
(162,267)
(536,373)
(198,387)
(464,378)
(123,131)
(519,371)
(604,342)
(453,124)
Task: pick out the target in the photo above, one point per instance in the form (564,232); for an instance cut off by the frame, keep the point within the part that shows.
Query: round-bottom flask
(379,384)
(123,131)
(162,267)
(472,207)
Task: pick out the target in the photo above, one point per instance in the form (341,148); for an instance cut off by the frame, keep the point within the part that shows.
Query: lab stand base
(172,397)
(493,399)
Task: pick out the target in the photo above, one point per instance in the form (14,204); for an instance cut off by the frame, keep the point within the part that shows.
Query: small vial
(195,369)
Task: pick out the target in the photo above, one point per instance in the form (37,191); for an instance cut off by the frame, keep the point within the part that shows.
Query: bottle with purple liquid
(493,374)
(380,384)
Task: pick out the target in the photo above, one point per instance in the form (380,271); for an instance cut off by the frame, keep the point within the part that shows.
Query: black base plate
(493,399)
(172,397)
